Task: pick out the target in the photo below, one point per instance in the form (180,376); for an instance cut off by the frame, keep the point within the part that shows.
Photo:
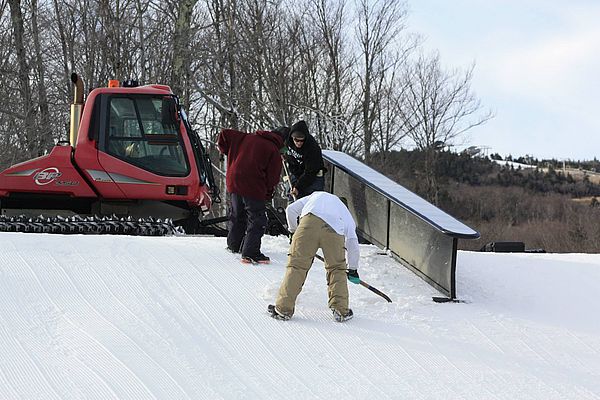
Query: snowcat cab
(132,154)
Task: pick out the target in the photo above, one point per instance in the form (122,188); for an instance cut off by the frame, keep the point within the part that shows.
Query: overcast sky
(537,66)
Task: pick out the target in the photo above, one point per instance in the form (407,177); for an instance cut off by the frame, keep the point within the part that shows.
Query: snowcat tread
(89,225)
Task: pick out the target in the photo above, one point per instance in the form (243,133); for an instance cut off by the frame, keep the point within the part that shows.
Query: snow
(514,164)
(107,317)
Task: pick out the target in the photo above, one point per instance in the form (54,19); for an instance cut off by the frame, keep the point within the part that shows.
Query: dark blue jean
(247,224)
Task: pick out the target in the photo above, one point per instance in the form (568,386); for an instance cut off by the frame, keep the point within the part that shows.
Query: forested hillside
(541,206)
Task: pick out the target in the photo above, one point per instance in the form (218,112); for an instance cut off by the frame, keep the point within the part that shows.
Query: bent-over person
(324,223)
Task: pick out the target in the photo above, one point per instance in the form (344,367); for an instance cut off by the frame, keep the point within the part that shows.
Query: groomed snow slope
(100,317)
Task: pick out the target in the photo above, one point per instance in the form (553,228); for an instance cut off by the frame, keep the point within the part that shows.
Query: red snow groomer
(133,165)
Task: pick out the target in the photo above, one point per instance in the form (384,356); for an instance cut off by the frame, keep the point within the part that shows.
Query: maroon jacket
(253,162)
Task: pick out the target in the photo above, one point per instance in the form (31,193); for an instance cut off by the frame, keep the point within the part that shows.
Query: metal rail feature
(416,233)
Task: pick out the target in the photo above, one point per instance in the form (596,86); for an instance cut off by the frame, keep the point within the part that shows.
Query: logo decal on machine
(46,176)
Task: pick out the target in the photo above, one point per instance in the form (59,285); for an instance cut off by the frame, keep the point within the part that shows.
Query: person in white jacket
(326,223)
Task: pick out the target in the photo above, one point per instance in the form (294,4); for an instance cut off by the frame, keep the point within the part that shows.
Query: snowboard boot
(339,317)
(276,314)
(259,259)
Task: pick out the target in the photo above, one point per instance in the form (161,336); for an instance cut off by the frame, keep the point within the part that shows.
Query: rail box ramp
(415,232)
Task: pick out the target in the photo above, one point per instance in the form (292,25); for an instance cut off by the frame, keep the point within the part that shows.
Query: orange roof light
(113,83)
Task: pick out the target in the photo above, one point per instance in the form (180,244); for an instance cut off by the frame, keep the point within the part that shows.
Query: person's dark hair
(283,131)
(343,200)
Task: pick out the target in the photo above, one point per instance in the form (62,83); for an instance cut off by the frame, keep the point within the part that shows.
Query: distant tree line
(406,166)
(504,203)
(588,165)
(546,182)
(550,221)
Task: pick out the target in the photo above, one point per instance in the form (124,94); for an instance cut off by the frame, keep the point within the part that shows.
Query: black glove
(353,276)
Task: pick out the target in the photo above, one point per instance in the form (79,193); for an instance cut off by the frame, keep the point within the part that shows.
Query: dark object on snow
(504,247)
(276,223)
(439,299)
(535,251)
(276,314)
(259,259)
(339,317)
(94,225)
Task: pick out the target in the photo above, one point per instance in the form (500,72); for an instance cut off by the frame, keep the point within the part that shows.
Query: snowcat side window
(138,135)
(93,129)
(169,115)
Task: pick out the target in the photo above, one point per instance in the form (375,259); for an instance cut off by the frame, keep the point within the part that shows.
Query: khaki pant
(313,233)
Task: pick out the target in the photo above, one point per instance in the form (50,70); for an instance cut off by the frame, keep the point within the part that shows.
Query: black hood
(299,126)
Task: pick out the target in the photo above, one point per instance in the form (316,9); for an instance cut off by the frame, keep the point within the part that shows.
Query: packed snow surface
(117,317)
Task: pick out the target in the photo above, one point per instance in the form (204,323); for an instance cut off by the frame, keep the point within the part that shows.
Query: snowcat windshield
(140,134)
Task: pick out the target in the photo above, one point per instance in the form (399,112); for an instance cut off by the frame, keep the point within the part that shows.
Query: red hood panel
(51,174)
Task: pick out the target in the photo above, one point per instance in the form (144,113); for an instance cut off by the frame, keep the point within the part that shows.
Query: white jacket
(330,209)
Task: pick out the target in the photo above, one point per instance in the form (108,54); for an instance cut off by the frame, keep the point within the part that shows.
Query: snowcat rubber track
(92,225)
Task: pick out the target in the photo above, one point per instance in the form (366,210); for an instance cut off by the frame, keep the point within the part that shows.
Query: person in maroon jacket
(253,172)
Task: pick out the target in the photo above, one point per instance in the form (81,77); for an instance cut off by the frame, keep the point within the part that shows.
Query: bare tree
(181,55)
(44,136)
(141,8)
(336,77)
(216,71)
(65,42)
(28,112)
(246,64)
(379,23)
(11,149)
(390,129)
(437,107)
(241,70)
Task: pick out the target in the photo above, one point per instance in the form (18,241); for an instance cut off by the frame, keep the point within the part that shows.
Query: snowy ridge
(119,317)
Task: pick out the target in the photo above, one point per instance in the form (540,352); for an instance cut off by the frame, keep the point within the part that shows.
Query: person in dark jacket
(253,172)
(305,161)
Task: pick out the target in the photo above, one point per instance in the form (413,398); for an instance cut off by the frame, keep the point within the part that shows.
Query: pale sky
(537,66)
